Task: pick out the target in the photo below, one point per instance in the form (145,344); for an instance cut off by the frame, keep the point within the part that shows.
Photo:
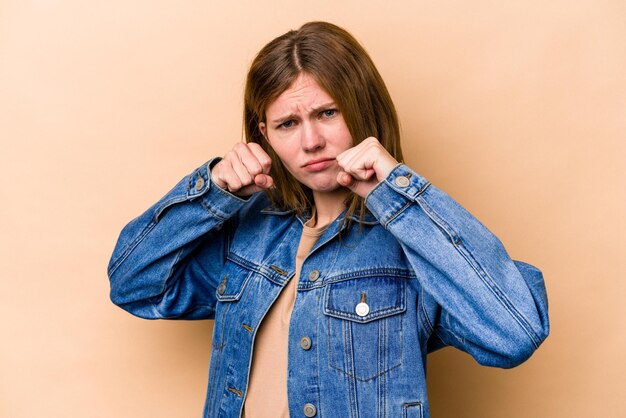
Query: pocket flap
(384,296)
(233,283)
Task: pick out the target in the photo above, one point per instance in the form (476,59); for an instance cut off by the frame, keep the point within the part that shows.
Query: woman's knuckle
(224,166)
(256,168)
(234,184)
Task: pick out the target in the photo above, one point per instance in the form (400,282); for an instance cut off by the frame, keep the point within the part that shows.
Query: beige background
(518,110)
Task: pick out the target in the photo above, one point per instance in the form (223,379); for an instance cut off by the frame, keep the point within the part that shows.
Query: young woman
(330,267)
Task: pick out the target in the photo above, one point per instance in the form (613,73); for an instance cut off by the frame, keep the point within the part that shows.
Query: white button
(402,181)
(199,184)
(362,309)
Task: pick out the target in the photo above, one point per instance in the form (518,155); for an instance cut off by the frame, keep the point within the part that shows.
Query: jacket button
(402,181)
(362,309)
(314,275)
(199,184)
(305,343)
(222,287)
(309,410)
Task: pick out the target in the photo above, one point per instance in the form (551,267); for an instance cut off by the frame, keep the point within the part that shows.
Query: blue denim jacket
(428,273)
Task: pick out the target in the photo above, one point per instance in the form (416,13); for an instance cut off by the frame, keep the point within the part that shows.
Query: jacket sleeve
(166,261)
(492,307)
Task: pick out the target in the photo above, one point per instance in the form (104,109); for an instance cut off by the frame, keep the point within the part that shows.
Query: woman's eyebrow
(285,118)
(323,107)
(314,111)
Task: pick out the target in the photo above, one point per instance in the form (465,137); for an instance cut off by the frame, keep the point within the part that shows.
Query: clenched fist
(244,170)
(364,166)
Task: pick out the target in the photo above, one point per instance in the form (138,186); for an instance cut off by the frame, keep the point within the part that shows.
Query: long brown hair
(343,68)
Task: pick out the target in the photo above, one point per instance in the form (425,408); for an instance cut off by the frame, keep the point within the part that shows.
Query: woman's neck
(329,205)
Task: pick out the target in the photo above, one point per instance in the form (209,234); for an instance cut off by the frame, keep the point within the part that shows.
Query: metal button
(362,309)
(309,410)
(314,275)
(402,181)
(305,343)
(222,287)
(199,184)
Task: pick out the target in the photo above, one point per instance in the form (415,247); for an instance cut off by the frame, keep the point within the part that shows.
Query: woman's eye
(286,125)
(329,113)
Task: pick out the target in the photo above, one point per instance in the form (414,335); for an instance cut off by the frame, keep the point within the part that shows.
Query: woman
(330,267)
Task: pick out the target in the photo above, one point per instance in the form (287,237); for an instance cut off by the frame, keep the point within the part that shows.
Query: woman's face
(307,132)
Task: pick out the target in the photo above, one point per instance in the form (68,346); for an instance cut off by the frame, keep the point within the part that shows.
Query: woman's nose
(311,138)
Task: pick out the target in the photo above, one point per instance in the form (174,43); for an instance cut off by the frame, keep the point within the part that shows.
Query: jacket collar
(367,219)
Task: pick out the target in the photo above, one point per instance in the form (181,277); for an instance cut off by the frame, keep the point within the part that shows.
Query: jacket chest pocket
(365,325)
(233,282)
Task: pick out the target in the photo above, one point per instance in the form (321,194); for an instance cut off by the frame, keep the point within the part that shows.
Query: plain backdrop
(517,109)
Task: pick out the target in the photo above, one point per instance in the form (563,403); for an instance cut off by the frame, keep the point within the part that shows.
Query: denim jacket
(419,274)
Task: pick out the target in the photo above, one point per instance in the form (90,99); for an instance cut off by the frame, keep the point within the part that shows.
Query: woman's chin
(331,187)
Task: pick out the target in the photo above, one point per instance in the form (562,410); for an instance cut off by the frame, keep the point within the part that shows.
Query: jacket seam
(388,271)
(177,316)
(129,249)
(432,330)
(166,204)
(360,379)
(211,210)
(482,274)
(252,267)
(379,314)
(395,215)
(170,271)
(426,320)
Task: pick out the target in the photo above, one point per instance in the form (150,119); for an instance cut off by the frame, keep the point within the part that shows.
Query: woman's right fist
(244,170)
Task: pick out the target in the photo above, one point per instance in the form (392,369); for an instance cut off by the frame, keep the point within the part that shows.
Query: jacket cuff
(220,202)
(395,193)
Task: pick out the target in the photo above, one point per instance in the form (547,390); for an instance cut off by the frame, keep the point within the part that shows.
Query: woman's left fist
(364,166)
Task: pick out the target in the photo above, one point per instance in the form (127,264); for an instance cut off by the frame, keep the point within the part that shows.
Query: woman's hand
(244,170)
(364,166)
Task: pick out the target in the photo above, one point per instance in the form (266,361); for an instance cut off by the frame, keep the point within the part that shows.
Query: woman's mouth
(319,164)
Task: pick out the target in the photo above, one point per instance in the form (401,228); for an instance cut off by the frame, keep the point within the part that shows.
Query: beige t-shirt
(267,388)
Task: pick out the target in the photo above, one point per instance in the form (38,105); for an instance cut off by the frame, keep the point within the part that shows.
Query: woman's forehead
(303,95)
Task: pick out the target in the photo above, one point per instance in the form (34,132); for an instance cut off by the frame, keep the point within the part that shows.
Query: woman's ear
(263,130)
